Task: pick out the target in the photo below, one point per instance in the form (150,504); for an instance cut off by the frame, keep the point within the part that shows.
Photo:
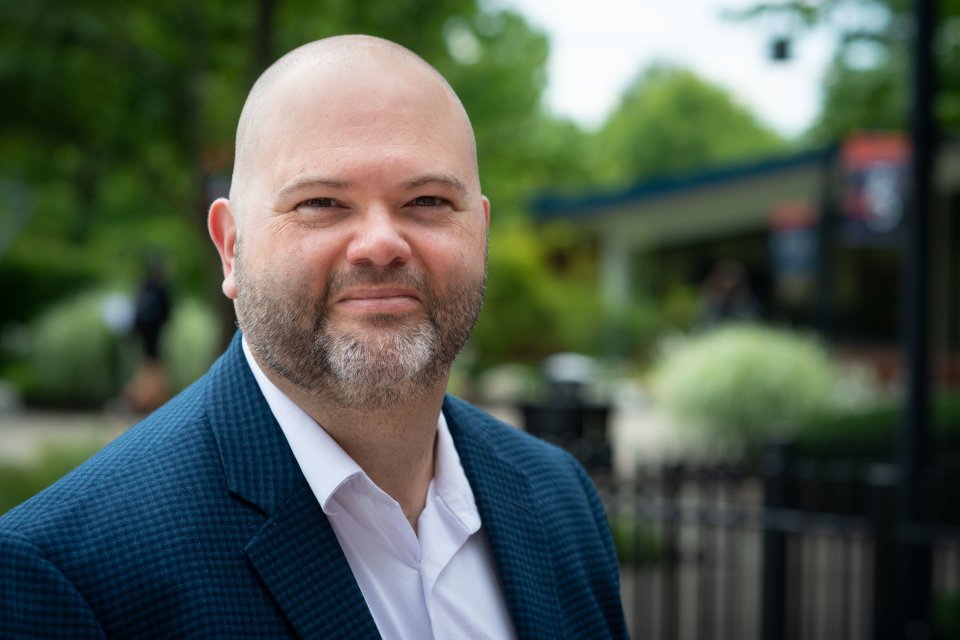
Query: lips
(378,300)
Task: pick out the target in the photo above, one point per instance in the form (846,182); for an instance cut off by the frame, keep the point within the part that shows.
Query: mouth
(378,300)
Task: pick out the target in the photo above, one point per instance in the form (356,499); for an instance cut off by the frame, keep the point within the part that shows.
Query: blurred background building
(777,216)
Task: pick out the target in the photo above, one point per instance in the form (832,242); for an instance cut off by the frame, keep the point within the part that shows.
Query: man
(317,482)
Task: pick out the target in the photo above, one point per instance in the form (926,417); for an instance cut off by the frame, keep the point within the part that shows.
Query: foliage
(740,384)
(155,91)
(636,545)
(104,164)
(871,432)
(861,99)
(867,84)
(627,331)
(520,321)
(670,120)
(21,480)
(542,299)
(41,275)
(73,358)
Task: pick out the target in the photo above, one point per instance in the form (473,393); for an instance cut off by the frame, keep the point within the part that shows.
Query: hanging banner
(874,169)
(793,251)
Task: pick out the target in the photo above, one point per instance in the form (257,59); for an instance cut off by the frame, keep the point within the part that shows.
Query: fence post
(778,494)
(882,480)
(673,477)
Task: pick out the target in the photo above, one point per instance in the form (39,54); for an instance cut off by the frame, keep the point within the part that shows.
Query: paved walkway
(23,434)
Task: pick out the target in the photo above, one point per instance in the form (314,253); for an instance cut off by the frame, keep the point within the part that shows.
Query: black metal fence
(786,549)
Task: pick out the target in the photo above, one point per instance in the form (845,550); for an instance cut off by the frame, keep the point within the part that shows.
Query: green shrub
(872,431)
(741,384)
(542,299)
(519,322)
(627,332)
(72,358)
(864,433)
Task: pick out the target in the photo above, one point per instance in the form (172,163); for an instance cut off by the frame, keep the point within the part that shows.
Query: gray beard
(388,362)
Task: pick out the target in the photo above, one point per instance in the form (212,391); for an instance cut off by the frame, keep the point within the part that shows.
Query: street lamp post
(915,558)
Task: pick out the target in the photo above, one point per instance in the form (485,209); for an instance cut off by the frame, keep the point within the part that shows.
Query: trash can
(566,417)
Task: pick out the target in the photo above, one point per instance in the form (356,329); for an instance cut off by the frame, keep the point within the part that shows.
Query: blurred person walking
(149,388)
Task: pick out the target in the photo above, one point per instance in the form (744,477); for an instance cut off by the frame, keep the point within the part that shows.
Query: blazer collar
(511,520)
(296,552)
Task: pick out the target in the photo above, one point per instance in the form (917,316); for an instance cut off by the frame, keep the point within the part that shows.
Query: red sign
(874,169)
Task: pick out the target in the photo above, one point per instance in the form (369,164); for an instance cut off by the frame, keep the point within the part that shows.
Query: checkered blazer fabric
(197,523)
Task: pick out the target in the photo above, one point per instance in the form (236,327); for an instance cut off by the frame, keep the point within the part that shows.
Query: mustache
(400,275)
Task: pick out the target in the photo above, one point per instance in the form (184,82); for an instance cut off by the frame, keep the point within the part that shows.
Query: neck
(395,445)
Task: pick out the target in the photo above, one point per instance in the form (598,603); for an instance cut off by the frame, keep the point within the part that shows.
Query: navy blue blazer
(198,523)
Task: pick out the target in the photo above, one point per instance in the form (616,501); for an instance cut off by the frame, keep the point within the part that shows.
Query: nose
(378,240)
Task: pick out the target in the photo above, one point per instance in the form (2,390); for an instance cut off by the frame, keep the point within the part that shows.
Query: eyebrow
(312,181)
(306,182)
(438,178)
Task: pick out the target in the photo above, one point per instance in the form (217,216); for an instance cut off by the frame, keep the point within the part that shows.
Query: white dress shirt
(440,585)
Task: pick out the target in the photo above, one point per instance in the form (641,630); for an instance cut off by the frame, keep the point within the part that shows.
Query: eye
(429,201)
(319,203)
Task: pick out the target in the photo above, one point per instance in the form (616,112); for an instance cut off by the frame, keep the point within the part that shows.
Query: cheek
(454,263)
(283,270)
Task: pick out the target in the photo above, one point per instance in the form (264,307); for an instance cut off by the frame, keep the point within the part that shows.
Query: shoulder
(118,488)
(473,425)
(155,470)
(557,481)
(124,532)
(515,475)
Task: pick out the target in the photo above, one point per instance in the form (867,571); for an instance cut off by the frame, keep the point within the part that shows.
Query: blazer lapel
(299,558)
(296,552)
(510,518)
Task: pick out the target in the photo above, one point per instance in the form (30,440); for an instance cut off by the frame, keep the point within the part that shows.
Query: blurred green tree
(118,121)
(866,86)
(671,120)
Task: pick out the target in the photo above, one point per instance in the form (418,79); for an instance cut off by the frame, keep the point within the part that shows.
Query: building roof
(549,207)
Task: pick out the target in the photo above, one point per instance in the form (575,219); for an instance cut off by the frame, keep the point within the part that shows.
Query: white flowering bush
(740,384)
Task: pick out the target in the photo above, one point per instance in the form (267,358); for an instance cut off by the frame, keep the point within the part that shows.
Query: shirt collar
(328,468)
(450,482)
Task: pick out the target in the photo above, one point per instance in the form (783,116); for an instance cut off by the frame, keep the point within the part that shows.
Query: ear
(222,225)
(486,210)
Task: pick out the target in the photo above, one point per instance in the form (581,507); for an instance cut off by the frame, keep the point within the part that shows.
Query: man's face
(361,253)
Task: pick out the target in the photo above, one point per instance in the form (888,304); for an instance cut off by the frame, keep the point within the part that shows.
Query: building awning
(694,206)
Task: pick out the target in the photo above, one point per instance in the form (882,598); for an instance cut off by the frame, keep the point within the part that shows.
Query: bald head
(325,75)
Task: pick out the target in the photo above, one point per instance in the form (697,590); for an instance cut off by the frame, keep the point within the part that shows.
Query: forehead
(345,118)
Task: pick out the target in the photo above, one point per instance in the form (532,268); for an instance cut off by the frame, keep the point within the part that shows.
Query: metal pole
(915,561)
(882,482)
(826,225)
(778,495)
